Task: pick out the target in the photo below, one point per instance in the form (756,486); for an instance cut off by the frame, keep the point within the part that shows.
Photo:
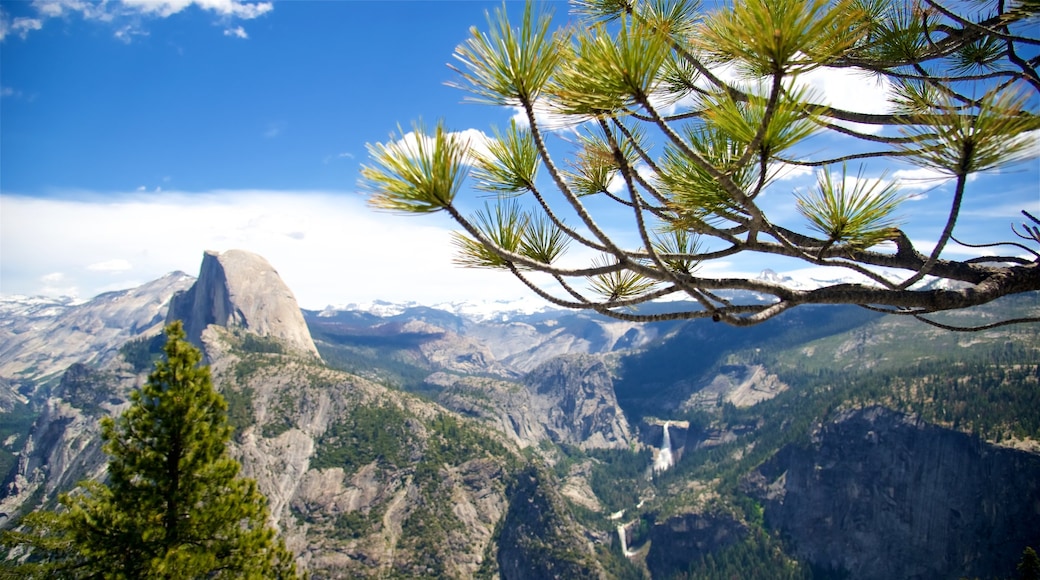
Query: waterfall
(664,456)
(622,532)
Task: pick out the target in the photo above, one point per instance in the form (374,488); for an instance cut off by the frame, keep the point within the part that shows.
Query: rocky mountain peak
(240,288)
(41,337)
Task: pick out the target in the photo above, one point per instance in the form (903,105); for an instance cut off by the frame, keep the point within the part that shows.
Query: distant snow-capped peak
(34,306)
(474,310)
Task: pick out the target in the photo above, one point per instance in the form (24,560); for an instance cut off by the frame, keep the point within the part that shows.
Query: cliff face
(680,540)
(878,495)
(362,481)
(64,445)
(568,400)
(538,539)
(239,288)
(574,397)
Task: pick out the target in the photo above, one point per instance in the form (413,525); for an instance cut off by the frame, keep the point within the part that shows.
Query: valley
(412,441)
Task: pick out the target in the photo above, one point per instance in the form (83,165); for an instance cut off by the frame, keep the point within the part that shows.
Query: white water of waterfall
(664,456)
(622,535)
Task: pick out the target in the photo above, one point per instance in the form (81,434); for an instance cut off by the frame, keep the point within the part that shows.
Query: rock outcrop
(525,345)
(38,345)
(574,399)
(64,445)
(539,540)
(684,539)
(877,494)
(239,288)
(568,400)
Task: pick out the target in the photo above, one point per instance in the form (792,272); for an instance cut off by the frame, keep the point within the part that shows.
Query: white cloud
(548,118)
(134,10)
(921,179)
(52,278)
(54,284)
(329,247)
(117,265)
(846,89)
(475,140)
(237,32)
(20,26)
(229,8)
(850,90)
(87,9)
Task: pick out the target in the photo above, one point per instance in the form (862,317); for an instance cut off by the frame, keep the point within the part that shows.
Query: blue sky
(134,135)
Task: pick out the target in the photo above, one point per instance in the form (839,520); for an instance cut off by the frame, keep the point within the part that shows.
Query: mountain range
(516,441)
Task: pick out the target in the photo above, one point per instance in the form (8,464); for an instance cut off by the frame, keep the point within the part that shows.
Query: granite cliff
(877,494)
(241,289)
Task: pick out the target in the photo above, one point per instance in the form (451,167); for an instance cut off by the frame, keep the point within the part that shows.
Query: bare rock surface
(878,494)
(40,342)
(568,400)
(240,288)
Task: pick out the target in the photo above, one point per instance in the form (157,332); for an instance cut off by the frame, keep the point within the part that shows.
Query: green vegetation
(142,353)
(368,433)
(352,525)
(253,343)
(618,476)
(538,531)
(240,408)
(757,557)
(427,529)
(14,428)
(1029,566)
(173,505)
(453,442)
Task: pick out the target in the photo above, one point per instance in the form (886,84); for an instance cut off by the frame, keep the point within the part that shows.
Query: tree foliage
(664,136)
(173,505)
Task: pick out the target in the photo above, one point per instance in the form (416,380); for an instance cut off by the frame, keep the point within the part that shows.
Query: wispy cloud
(20,26)
(475,141)
(55,284)
(126,15)
(237,32)
(329,247)
(117,265)
(274,129)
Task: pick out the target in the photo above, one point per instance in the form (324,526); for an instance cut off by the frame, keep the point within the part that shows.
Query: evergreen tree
(1029,566)
(173,505)
(689,114)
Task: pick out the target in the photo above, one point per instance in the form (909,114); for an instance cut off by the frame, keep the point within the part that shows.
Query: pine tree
(688,117)
(1029,566)
(173,505)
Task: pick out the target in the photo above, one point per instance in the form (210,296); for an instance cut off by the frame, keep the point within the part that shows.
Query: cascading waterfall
(622,532)
(664,458)
(624,539)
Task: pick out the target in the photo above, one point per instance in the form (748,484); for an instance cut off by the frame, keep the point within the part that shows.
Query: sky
(137,134)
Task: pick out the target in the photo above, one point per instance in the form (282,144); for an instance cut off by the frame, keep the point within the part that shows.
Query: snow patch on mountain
(479,311)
